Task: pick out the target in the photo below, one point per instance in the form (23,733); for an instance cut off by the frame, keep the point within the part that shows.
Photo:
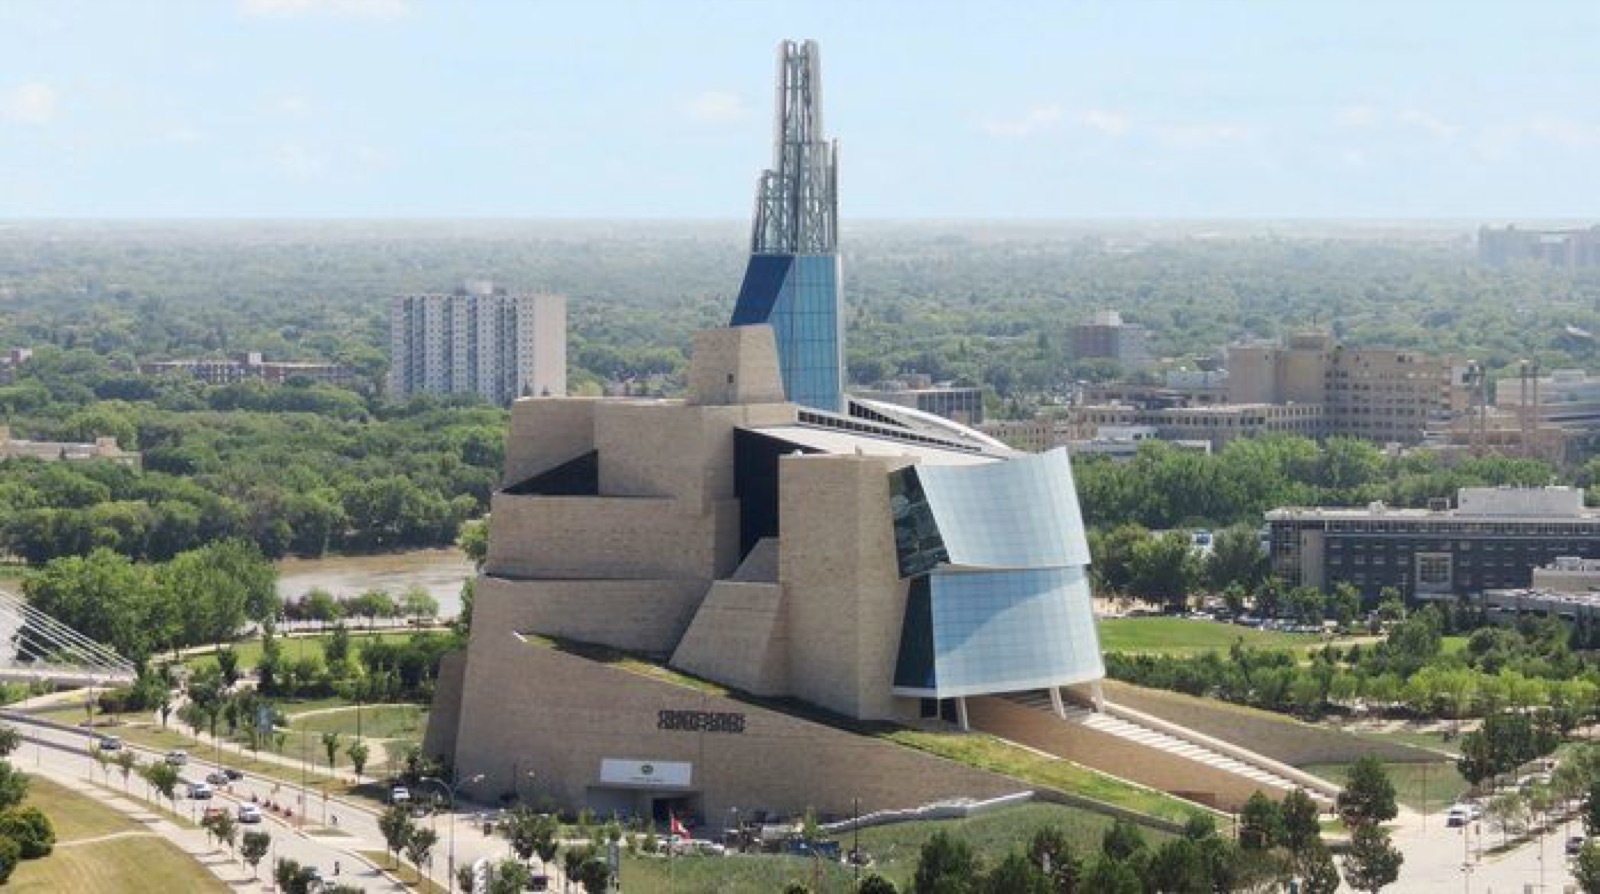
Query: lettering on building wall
(700,721)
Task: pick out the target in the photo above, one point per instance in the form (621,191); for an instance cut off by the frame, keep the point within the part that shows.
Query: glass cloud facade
(798,296)
(998,566)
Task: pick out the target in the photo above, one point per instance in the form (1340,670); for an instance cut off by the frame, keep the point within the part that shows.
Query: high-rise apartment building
(478,339)
(792,283)
(1558,248)
(1107,337)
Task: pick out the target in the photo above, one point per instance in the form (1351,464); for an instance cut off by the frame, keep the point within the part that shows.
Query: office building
(1556,248)
(1107,337)
(1376,394)
(478,339)
(1216,424)
(250,366)
(958,403)
(792,282)
(1493,538)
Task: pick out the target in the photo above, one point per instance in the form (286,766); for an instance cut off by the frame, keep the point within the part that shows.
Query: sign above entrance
(646,774)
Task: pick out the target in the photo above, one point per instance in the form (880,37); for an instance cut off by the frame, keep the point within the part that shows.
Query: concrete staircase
(1144,735)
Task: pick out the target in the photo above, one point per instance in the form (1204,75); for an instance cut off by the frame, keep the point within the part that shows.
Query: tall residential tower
(478,339)
(792,283)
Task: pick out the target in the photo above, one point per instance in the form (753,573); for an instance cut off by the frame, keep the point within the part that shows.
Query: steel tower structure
(793,281)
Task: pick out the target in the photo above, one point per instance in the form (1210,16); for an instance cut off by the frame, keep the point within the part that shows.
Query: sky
(1029,109)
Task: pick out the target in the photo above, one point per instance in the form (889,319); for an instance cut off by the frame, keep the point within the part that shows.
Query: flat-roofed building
(479,339)
(104,448)
(1558,248)
(1493,538)
(1106,337)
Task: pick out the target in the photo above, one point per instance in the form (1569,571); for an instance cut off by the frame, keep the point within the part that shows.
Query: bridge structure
(35,647)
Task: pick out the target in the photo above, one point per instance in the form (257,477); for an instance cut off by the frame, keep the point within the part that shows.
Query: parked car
(177,758)
(399,795)
(249,813)
(110,743)
(199,791)
(1575,844)
(1457,816)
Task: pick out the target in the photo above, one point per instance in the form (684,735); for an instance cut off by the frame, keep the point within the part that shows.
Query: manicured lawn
(1181,636)
(1443,784)
(1431,740)
(894,850)
(132,865)
(378,721)
(407,873)
(989,753)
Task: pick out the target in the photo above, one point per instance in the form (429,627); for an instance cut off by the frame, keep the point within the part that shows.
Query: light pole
(451,791)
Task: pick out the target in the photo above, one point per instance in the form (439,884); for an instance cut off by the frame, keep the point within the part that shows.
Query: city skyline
(408,108)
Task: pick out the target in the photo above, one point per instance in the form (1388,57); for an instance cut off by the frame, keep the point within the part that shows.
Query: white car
(249,813)
(399,795)
(200,791)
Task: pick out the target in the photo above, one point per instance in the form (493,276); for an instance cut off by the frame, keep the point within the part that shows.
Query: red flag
(676,827)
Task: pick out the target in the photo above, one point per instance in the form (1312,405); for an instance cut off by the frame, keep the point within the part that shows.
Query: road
(1435,856)
(63,755)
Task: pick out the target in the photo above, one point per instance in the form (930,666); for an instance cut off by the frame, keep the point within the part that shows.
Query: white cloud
(1357,117)
(1565,132)
(31,103)
(292,105)
(1431,124)
(715,105)
(1203,134)
(1110,123)
(377,10)
(1029,123)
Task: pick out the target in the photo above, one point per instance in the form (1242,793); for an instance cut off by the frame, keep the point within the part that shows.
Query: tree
(416,602)
(1236,559)
(419,845)
(396,825)
(330,745)
(1591,809)
(358,752)
(466,877)
(945,865)
(126,763)
(253,847)
(1163,569)
(1260,822)
(1372,863)
(1314,865)
(163,777)
(474,541)
(13,786)
(1368,795)
(877,884)
(509,877)
(1179,867)
(10,856)
(224,828)
(30,829)
(1109,876)
(1122,840)
(1586,868)
(1301,827)
(10,740)
(1015,874)
(1050,850)
(228,664)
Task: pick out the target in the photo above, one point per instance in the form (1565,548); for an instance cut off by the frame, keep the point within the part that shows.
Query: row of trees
(319,606)
(204,595)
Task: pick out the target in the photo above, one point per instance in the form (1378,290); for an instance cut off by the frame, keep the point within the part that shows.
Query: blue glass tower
(792,283)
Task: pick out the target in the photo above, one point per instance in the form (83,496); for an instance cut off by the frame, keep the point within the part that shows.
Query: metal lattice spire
(797,200)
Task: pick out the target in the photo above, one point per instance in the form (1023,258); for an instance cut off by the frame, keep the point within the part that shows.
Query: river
(440,571)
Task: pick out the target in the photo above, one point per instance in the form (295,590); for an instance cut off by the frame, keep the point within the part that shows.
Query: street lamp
(451,791)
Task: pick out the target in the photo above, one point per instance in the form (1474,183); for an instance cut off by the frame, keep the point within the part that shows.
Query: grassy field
(133,865)
(377,721)
(894,850)
(407,873)
(1431,740)
(1443,784)
(1180,636)
(988,753)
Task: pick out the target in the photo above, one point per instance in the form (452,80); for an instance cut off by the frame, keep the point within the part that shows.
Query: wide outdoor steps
(1141,748)
(1126,729)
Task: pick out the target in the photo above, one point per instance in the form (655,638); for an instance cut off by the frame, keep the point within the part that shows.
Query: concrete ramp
(1143,749)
